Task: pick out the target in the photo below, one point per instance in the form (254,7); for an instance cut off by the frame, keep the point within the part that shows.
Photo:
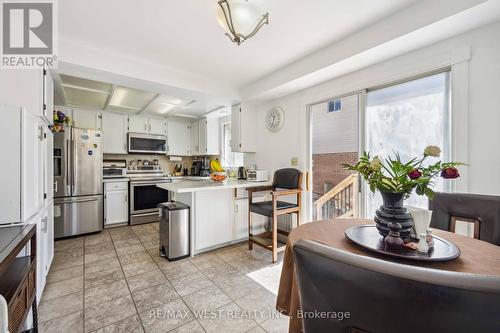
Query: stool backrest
(288,178)
(482,210)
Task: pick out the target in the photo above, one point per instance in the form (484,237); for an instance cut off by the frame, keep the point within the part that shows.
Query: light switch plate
(295,161)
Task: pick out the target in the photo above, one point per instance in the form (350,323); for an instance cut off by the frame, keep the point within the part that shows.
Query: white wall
(335,132)
(476,106)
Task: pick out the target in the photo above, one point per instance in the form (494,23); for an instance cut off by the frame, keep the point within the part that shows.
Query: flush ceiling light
(241,19)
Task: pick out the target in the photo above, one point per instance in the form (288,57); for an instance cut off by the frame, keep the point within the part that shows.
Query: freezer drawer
(78,215)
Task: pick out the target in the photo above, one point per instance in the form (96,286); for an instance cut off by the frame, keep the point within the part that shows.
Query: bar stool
(286,182)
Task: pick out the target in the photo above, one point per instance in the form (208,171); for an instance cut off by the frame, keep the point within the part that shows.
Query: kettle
(242,174)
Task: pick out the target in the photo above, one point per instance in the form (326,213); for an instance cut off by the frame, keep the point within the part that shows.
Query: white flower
(433,151)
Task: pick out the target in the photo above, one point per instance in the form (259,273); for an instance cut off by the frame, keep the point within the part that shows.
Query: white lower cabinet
(115,203)
(44,246)
(240,228)
(214,219)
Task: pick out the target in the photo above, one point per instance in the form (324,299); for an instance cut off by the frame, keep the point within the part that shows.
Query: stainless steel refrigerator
(78,187)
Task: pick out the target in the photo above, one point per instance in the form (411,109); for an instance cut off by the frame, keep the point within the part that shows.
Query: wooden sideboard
(18,273)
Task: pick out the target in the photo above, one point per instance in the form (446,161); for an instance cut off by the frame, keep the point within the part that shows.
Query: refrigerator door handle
(67,163)
(75,200)
(73,162)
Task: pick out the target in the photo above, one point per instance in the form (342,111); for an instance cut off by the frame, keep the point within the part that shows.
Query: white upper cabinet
(114,133)
(179,137)
(138,124)
(146,125)
(209,136)
(195,138)
(48,96)
(87,119)
(157,126)
(243,125)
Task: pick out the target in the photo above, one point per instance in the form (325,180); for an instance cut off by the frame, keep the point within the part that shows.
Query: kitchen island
(218,211)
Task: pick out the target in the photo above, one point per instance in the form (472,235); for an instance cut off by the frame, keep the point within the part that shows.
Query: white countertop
(186,185)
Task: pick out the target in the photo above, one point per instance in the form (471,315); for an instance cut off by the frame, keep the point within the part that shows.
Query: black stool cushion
(266,207)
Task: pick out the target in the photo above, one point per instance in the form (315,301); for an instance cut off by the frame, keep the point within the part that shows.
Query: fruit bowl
(218,177)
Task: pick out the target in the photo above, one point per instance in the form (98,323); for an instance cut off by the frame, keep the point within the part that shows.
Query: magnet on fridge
(90,152)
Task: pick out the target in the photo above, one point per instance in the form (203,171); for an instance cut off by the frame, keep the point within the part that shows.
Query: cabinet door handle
(126,198)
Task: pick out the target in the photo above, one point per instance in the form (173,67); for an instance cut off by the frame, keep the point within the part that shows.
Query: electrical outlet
(295,161)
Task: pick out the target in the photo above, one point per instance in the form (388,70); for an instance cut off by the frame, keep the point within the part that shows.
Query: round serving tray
(367,236)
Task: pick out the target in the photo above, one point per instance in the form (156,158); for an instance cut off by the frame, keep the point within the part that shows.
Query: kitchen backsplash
(165,163)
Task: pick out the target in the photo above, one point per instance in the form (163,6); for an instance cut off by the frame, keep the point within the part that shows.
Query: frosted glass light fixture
(241,19)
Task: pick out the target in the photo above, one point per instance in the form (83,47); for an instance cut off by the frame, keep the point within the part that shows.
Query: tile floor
(114,281)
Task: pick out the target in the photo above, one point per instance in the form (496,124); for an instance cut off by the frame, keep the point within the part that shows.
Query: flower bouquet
(396,180)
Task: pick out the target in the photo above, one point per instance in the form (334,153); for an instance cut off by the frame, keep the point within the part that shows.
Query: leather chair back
(383,296)
(288,178)
(483,208)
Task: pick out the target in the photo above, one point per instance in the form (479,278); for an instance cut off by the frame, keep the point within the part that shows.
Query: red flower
(415,174)
(450,173)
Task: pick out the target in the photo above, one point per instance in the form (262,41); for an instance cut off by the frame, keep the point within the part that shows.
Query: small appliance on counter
(114,169)
(242,173)
(257,175)
(197,167)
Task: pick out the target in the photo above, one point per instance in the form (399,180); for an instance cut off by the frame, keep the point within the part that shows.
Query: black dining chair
(286,182)
(483,211)
(363,294)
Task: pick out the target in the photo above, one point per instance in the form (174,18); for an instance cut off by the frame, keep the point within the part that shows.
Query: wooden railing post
(351,180)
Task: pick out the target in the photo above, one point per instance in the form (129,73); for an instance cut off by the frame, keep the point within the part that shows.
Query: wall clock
(275,118)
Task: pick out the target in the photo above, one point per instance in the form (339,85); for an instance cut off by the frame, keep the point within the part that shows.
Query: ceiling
(186,36)
(84,93)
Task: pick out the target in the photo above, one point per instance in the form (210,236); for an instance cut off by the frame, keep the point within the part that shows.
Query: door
(48,96)
(334,141)
(114,133)
(202,130)
(49,230)
(62,165)
(41,250)
(48,154)
(11,171)
(86,162)
(77,215)
(195,138)
(115,207)
(213,136)
(145,197)
(405,118)
(33,177)
(138,124)
(87,119)
(240,230)
(179,137)
(157,126)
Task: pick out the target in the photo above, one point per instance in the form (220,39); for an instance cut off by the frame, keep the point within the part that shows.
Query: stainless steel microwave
(147,144)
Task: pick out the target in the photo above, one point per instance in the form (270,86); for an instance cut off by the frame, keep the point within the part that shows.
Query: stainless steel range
(144,194)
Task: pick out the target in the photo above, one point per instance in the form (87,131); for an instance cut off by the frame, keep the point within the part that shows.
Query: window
(335,105)
(228,158)
(406,118)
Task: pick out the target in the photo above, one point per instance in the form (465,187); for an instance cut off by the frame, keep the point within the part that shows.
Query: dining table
(477,257)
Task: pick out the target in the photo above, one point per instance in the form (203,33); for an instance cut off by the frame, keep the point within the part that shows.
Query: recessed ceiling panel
(130,99)
(84,84)
(84,98)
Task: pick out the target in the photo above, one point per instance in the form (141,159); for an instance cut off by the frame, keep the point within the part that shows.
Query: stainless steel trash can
(174,230)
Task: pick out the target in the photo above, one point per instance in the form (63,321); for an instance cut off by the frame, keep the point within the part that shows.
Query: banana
(215,166)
